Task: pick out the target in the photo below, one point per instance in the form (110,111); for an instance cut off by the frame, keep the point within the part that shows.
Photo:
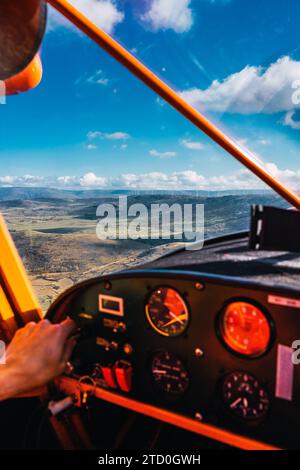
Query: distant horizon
(135,190)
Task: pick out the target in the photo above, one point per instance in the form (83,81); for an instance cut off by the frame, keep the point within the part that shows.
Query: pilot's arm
(38,353)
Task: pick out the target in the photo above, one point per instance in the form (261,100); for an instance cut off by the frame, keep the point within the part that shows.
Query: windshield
(91,132)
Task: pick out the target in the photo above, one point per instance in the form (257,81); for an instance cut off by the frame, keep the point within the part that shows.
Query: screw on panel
(199,352)
(199,286)
(198,416)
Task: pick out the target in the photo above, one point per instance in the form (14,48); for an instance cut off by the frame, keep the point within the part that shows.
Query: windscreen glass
(91,148)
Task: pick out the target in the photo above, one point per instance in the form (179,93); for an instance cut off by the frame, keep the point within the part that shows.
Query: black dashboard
(211,347)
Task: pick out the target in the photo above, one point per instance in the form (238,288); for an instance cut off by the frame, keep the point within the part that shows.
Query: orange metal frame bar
(161,88)
(70,387)
(22,301)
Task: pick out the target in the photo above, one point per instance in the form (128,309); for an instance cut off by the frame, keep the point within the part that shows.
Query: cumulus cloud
(27,180)
(191,145)
(190,179)
(91,180)
(104,13)
(109,136)
(7,180)
(156,153)
(169,14)
(67,180)
(159,180)
(177,180)
(251,90)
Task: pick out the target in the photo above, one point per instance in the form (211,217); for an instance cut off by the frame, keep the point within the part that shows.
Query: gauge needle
(236,402)
(176,319)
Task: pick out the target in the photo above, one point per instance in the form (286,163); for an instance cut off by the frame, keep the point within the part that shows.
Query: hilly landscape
(55,230)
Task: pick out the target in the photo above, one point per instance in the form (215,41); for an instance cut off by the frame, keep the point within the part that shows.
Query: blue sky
(91,124)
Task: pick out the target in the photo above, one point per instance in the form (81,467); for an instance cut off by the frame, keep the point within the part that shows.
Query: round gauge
(245,329)
(169,373)
(167,312)
(245,396)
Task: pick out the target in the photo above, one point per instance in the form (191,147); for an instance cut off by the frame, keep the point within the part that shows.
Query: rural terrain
(55,231)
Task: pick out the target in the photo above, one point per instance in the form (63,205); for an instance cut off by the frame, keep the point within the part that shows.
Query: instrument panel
(200,346)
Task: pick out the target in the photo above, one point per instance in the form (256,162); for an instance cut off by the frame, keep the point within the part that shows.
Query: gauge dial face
(245,396)
(167,312)
(169,373)
(245,329)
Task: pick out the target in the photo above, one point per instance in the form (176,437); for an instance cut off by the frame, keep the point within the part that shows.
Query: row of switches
(118,375)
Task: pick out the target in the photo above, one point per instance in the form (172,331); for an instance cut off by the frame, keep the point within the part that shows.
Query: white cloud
(180,180)
(117,136)
(109,136)
(67,180)
(27,180)
(94,134)
(7,180)
(191,145)
(189,179)
(56,20)
(104,13)
(156,153)
(252,90)
(169,14)
(98,78)
(289,120)
(91,147)
(91,180)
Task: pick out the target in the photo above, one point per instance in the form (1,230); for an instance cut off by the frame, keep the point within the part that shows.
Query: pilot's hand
(38,353)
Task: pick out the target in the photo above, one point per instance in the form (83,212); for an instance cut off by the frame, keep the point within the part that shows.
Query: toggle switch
(109,376)
(123,374)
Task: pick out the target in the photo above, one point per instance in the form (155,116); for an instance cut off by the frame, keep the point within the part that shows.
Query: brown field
(57,240)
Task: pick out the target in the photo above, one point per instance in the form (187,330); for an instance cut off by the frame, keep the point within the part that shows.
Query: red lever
(109,376)
(123,372)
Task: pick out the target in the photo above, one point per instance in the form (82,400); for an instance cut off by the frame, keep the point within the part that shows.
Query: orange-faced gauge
(245,328)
